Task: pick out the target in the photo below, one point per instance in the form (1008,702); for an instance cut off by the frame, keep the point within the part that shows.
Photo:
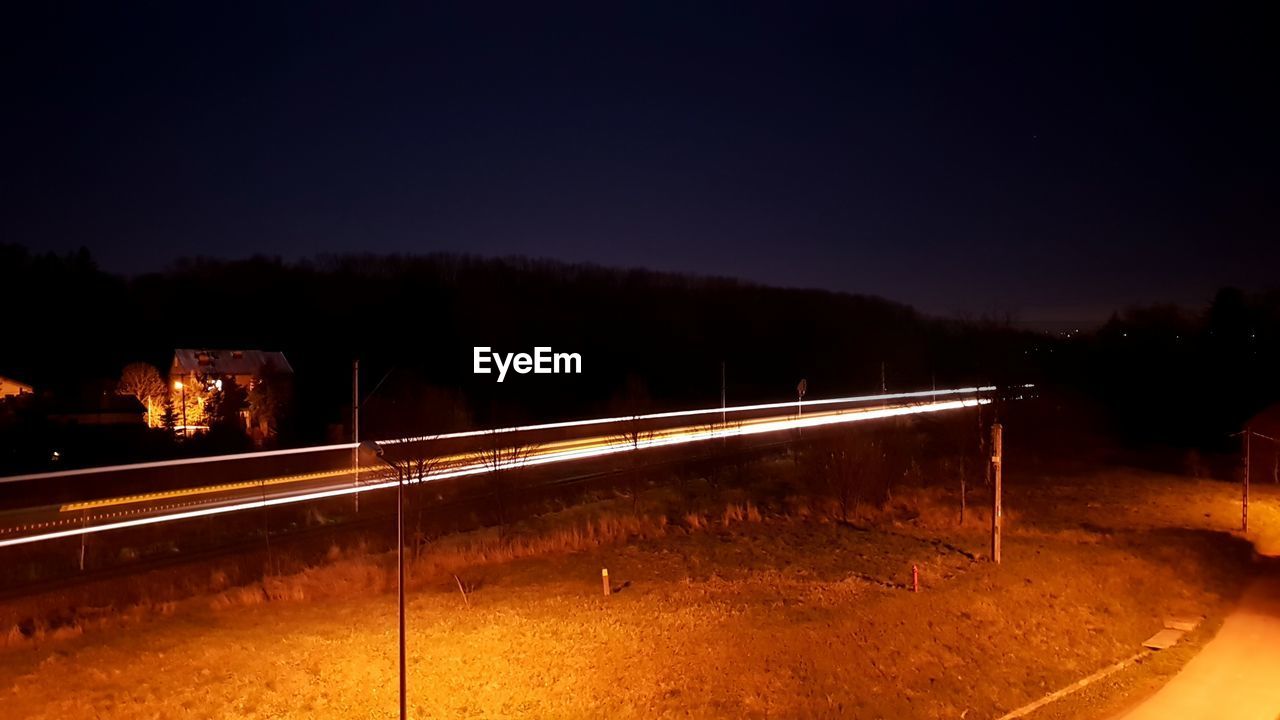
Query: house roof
(9,386)
(229,362)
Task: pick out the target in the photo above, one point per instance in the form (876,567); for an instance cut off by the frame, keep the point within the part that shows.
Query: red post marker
(915,578)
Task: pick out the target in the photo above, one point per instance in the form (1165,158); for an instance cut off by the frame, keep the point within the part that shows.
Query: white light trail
(679,436)
(513,429)
(705,411)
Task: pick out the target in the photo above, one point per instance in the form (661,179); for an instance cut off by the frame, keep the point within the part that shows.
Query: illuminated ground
(780,618)
(1234,677)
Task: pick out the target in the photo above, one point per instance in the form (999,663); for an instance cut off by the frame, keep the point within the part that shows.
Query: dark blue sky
(1049,163)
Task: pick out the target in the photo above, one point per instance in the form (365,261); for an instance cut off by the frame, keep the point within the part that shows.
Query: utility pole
(801,389)
(84,523)
(400,582)
(997,518)
(983,445)
(724,423)
(355,425)
(884,387)
(266,524)
(1248,471)
(1244,501)
(722,394)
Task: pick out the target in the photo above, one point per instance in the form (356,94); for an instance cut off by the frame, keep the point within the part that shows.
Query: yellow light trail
(521,428)
(563,451)
(448,461)
(203,490)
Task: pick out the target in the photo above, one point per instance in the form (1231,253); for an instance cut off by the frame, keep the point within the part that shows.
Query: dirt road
(1237,674)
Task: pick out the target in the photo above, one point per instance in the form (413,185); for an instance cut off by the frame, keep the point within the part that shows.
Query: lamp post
(377,451)
(178,385)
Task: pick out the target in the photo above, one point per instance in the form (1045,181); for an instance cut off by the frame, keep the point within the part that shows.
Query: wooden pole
(266,524)
(355,427)
(604,581)
(724,404)
(997,516)
(723,396)
(84,523)
(1244,501)
(984,447)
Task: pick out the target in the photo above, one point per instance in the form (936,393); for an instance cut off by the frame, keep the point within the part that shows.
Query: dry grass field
(734,612)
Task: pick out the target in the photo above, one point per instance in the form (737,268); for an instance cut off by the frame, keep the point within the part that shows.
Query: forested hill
(414,321)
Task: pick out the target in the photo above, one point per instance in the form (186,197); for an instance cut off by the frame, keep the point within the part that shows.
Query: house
(207,367)
(198,373)
(12,388)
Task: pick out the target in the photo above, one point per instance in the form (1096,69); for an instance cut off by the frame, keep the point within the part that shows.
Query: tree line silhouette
(1160,374)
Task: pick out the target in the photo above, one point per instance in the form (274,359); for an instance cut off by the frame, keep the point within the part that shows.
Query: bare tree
(634,432)
(419,414)
(500,453)
(727,452)
(143,381)
(963,451)
(847,468)
(419,462)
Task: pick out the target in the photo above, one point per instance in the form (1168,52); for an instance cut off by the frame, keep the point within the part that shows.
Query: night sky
(1052,164)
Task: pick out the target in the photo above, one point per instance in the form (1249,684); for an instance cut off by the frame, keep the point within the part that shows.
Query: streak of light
(203,490)
(580,450)
(705,411)
(520,428)
(446,461)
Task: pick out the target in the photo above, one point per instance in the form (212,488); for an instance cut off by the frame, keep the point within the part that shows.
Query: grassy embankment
(734,610)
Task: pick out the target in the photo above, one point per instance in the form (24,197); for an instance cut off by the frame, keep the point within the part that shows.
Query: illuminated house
(12,388)
(197,373)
